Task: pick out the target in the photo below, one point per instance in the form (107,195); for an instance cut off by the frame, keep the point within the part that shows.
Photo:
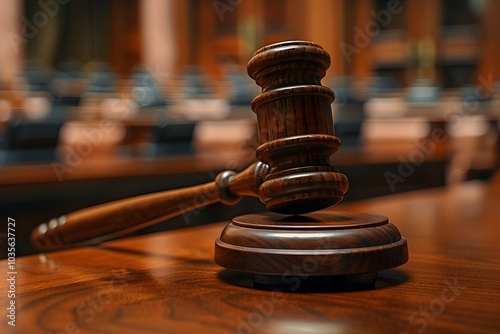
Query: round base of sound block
(277,248)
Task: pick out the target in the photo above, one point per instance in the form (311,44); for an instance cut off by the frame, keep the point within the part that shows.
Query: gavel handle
(102,222)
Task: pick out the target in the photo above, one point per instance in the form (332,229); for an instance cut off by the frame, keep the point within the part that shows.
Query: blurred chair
(349,111)
(67,88)
(37,76)
(101,78)
(30,142)
(194,84)
(146,90)
(382,85)
(241,88)
(172,139)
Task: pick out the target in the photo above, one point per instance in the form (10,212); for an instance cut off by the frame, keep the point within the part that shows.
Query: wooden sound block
(350,247)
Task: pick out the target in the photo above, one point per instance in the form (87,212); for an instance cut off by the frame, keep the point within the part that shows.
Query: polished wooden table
(168,282)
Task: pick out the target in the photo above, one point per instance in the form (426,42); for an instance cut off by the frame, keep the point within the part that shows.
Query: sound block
(343,247)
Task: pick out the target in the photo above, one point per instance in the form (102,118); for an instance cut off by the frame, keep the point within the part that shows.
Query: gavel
(293,178)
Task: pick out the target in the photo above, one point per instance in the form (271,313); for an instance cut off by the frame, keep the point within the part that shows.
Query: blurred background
(105,99)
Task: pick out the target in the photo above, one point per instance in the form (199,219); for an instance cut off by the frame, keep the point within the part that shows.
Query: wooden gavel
(296,131)
(110,220)
(294,177)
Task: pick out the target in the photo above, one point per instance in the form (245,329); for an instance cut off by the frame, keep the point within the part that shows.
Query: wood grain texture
(295,125)
(317,244)
(168,282)
(109,220)
(296,133)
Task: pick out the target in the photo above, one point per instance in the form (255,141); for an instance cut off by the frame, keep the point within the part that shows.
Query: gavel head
(295,125)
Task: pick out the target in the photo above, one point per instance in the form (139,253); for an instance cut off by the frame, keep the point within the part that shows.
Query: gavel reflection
(294,177)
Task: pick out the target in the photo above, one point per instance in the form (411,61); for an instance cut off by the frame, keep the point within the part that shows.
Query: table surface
(168,282)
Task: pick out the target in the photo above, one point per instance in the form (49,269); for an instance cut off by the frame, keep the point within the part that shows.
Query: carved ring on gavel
(294,179)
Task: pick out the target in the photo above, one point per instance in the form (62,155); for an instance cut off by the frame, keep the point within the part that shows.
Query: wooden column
(11,40)
(423,18)
(423,22)
(205,53)
(324,24)
(158,45)
(359,62)
(489,67)
(250,28)
(125,36)
(181,30)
